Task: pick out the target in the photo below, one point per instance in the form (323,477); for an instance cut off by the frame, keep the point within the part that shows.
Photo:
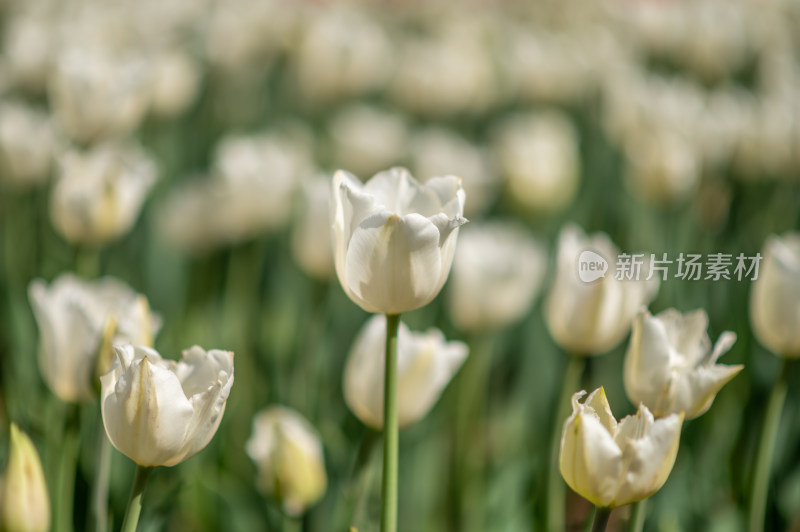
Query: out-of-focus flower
(497,273)
(288,454)
(367,139)
(98,193)
(341,52)
(590,318)
(159,413)
(97,95)
(538,152)
(28,45)
(774,296)
(663,166)
(670,365)
(312,247)
(176,79)
(25,500)
(73,316)
(613,464)
(425,364)
(394,239)
(436,151)
(27,144)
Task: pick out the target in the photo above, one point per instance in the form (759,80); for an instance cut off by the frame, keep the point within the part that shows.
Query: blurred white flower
(613,464)
(774,296)
(99,193)
(288,454)
(437,151)
(426,362)
(73,316)
(176,81)
(312,246)
(24,499)
(159,413)
(497,273)
(367,139)
(538,153)
(27,144)
(29,43)
(97,95)
(670,365)
(394,239)
(591,318)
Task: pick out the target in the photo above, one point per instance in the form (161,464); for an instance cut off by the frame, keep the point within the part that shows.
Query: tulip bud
(497,273)
(425,364)
(26,503)
(592,317)
(288,454)
(394,239)
(159,413)
(613,464)
(670,365)
(774,296)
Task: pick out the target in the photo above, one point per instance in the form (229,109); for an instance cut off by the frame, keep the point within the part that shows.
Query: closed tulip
(671,366)
(288,453)
(497,273)
(73,316)
(25,500)
(590,318)
(425,364)
(394,239)
(614,463)
(774,296)
(158,412)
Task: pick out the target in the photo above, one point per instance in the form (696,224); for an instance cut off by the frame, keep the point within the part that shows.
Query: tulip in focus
(98,193)
(73,316)
(591,318)
(614,463)
(671,366)
(158,412)
(426,362)
(25,500)
(394,239)
(497,273)
(288,453)
(774,296)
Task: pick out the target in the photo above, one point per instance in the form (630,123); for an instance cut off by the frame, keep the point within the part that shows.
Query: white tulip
(72,315)
(159,413)
(613,464)
(176,80)
(311,237)
(425,364)
(288,453)
(497,273)
(24,500)
(99,193)
(394,239)
(24,163)
(590,318)
(670,365)
(775,296)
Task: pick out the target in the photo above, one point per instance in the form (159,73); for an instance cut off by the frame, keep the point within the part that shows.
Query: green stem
(87,262)
(766,448)
(66,473)
(638,512)
(601,516)
(556,489)
(135,501)
(291,524)
(100,488)
(390,430)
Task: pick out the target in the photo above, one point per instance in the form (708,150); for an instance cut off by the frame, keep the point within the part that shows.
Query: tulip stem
(556,489)
(638,511)
(135,500)
(766,448)
(102,471)
(390,431)
(66,473)
(601,516)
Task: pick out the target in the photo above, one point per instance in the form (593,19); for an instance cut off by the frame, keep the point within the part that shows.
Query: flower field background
(188,149)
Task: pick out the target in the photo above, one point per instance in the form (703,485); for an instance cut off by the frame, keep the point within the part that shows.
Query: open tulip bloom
(394,239)
(614,463)
(670,365)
